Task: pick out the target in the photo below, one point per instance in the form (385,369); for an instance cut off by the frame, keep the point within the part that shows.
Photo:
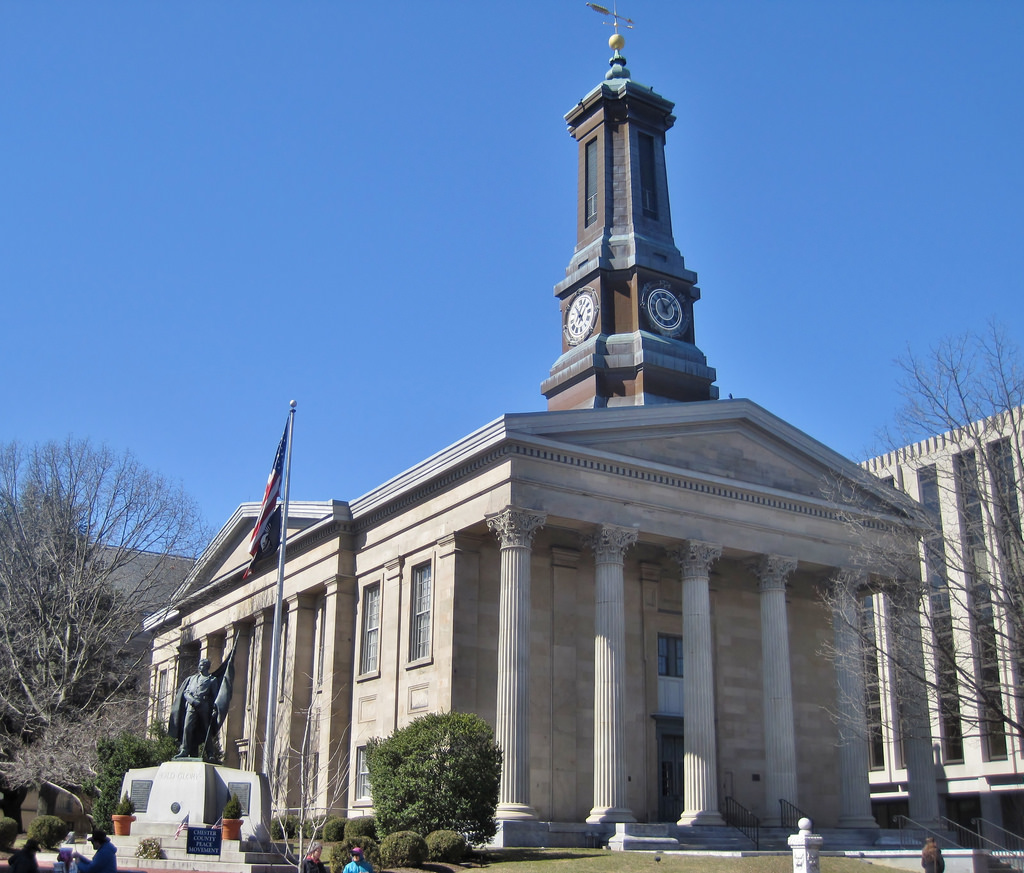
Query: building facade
(971,609)
(626,586)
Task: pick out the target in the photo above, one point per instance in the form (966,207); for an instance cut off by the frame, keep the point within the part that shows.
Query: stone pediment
(733,441)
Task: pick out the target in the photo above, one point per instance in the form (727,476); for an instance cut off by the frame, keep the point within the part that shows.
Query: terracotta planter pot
(123,825)
(232,829)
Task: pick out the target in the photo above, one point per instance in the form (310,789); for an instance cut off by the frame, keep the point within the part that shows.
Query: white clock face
(665,310)
(581,317)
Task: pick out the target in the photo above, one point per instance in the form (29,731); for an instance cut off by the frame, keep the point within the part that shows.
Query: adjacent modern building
(626,586)
(969,483)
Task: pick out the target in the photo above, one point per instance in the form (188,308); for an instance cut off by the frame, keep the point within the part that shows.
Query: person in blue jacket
(103,859)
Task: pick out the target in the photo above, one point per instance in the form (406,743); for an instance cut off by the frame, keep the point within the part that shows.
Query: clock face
(581,316)
(665,312)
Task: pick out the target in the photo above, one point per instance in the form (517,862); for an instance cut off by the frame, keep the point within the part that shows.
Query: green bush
(403,849)
(233,808)
(341,853)
(288,826)
(334,829)
(313,827)
(446,846)
(117,755)
(124,806)
(355,828)
(440,772)
(8,832)
(48,830)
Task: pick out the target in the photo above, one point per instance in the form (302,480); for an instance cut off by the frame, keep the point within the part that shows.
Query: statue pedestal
(164,795)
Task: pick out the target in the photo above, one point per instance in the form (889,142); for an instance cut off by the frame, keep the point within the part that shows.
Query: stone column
(609,545)
(700,770)
(231,733)
(912,700)
(854,785)
(777,685)
(336,689)
(515,529)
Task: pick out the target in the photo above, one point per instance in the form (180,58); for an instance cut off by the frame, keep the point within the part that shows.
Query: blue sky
(208,209)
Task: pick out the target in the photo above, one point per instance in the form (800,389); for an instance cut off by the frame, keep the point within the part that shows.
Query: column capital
(610,541)
(772,570)
(697,555)
(515,527)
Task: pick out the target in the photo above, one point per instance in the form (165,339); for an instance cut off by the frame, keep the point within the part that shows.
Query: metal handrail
(741,818)
(941,839)
(968,840)
(790,814)
(1016,842)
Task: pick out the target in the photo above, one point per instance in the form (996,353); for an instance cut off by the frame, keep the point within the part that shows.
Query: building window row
(420,624)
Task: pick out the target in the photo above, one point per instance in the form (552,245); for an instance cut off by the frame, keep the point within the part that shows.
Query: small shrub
(8,832)
(48,831)
(361,827)
(233,808)
(446,846)
(149,848)
(403,849)
(288,826)
(341,853)
(124,806)
(334,829)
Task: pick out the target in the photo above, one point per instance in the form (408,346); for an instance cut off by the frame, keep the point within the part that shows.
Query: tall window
(371,629)
(1011,548)
(362,775)
(976,566)
(161,695)
(590,178)
(419,638)
(941,618)
(648,186)
(670,655)
(872,687)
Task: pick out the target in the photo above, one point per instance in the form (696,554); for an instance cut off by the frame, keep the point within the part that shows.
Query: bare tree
(90,543)
(955,564)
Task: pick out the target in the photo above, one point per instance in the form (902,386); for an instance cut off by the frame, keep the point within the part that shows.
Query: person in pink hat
(358,864)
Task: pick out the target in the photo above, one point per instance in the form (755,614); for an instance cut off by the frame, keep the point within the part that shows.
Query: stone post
(515,529)
(806,847)
(700,775)
(777,687)
(609,545)
(854,786)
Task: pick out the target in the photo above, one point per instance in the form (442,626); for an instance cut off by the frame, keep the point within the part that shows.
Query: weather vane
(616,22)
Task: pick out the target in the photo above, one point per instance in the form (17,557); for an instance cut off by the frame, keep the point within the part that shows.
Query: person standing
(357,864)
(24,860)
(312,862)
(104,858)
(931,857)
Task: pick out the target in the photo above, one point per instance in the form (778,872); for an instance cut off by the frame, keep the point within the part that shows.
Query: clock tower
(627,299)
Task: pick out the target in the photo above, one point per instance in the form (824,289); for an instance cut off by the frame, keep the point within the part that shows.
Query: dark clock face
(665,312)
(581,316)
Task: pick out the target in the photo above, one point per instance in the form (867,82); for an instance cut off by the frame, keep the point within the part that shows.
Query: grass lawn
(599,860)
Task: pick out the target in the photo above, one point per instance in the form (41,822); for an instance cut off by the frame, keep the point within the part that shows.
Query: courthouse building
(626,585)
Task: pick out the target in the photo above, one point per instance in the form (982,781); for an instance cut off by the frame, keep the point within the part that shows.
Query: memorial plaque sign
(203,841)
(242,790)
(140,794)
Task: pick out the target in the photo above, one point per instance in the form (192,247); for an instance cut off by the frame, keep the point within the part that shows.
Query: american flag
(182,827)
(263,541)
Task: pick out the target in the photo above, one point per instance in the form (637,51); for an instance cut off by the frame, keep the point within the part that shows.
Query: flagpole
(275,645)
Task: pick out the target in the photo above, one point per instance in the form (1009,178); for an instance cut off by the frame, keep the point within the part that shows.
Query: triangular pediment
(734,441)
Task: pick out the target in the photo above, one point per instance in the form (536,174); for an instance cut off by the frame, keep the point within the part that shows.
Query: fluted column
(515,529)
(700,753)
(777,687)
(609,545)
(854,785)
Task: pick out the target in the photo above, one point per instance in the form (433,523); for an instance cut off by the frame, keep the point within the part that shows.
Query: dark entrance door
(670,764)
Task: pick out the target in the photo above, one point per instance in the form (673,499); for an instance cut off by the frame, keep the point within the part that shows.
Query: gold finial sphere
(616,41)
